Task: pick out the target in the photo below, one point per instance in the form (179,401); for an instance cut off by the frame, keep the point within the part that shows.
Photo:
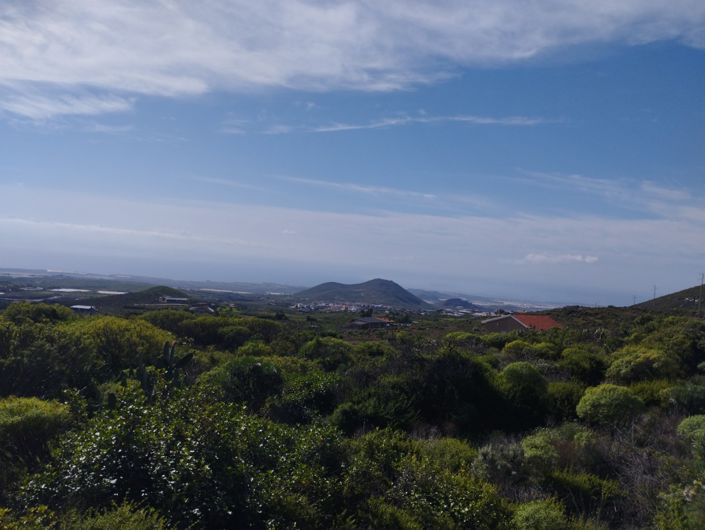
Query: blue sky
(552,152)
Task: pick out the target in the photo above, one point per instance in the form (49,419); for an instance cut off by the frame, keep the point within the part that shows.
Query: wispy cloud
(644,196)
(406,120)
(229,183)
(179,48)
(39,107)
(514,121)
(359,188)
(543,259)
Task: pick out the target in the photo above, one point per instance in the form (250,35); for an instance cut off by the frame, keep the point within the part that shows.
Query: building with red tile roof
(520,321)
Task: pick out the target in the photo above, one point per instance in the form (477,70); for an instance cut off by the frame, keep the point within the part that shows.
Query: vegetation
(170,420)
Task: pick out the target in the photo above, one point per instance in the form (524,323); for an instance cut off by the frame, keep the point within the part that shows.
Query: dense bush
(247,380)
(330,353)
(540,515)
(24,312)
(563,397)
(692,427)
(27,425)
(584,366)
(289,422)
(434,498)
(608,404)
(689,397)
(197,461)
(42,360)
(120,343)
(527,392)
(638,364)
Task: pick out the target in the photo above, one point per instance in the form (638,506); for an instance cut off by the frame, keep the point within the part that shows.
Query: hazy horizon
(548,152)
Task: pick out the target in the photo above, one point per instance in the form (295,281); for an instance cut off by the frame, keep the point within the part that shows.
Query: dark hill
(459,303)
(120,303)
(683,302)
(378,291)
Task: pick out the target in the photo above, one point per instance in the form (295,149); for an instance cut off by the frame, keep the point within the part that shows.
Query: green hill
(373,292)
(121,303)
(683,302)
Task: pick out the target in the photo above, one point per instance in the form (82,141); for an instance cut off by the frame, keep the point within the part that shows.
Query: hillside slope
(120,302)
(377,291)
(682,302)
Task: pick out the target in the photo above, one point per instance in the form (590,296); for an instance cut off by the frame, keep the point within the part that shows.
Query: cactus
(172,363)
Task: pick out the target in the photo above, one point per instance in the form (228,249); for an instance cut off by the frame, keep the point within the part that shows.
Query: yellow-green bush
(608,404)
(545,514)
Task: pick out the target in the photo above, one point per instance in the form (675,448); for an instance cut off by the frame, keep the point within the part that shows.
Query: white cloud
(39,107)
(644,196)
(179,47)
(411,120)
(229,183)
(359,188)
(541,259)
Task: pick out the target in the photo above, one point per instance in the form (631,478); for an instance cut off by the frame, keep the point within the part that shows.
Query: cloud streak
(644,196)
(179,48)
(40,107)
(554,259)
(514,121)
(360,188)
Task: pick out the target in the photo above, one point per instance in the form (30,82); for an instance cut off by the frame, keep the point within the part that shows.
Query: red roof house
(520,321)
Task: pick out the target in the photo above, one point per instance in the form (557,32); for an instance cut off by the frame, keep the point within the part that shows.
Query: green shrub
(170,320)
(330,353)
(122,517)
(440,499)
(682,508)
(255,348)
(540,451)
(563,397)
(547,514)
(640,364)
(563,447)
(27,424)
(246,380)
(207,464)
(608,405)
(308,392)
(651,392)
(374,349)
(44,359)
(688,397)
(121,343)
(692,427)
(518,348)
(584,366)
(448,453)
(23,312)
(585,493)
(453,392)
(526,392)
(232,337)
(465,340)
(385,516)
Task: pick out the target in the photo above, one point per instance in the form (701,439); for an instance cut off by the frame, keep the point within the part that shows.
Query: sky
(547,150)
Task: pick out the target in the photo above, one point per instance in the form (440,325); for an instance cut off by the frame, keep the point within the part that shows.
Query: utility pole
(700,296)
(654,300)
